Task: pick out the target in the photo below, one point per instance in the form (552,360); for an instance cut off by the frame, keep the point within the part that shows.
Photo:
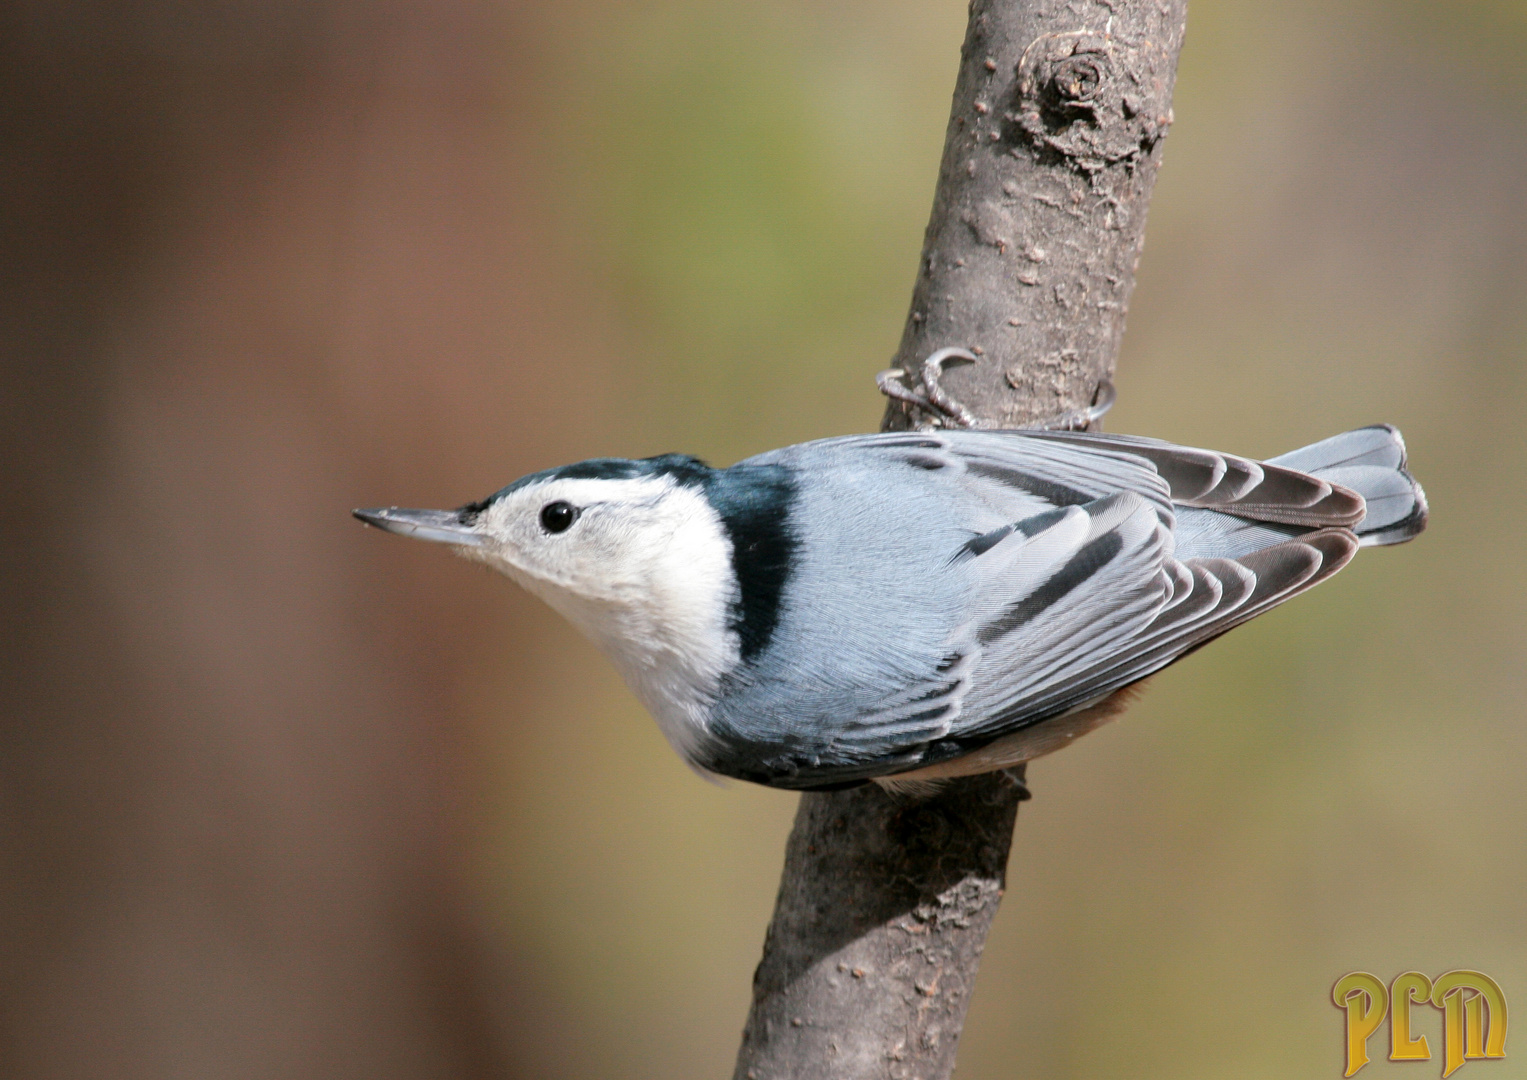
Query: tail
(1370,461)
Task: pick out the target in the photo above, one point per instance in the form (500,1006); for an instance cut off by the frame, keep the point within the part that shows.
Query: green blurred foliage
(1337,238)
(743,178)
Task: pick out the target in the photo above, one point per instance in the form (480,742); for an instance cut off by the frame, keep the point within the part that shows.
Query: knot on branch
(1092,99)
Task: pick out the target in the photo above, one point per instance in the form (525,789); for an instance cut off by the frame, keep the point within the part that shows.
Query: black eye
(557,516)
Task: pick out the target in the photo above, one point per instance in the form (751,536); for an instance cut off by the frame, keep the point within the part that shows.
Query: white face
(642,566)
(628,543)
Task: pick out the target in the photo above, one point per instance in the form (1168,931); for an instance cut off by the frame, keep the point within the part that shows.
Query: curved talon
(1015,777)
(890,383)
(934,400)
(1102,401)
(933,369)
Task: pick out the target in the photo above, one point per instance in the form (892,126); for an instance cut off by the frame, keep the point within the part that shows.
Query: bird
(909,607)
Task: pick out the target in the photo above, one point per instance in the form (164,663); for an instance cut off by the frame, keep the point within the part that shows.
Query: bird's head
(674,569)
(671,567)
(605,542)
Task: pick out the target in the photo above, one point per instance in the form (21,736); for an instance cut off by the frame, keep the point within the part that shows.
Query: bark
(1052,149)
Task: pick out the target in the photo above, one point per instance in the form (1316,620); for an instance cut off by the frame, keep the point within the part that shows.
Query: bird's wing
(1102,644)
(1079,592)
(1013,471)
(1212,480)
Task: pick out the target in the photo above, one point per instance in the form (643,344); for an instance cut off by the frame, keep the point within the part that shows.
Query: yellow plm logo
(1473,1016)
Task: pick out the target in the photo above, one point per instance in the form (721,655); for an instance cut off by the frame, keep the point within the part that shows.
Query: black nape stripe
(1089,559)
(754,504)
(687,470)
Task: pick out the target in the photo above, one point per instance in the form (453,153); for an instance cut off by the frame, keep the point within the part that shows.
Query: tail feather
(1370,461)
(1378,444)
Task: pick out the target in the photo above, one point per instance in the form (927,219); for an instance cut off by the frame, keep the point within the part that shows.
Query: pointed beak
(439,526)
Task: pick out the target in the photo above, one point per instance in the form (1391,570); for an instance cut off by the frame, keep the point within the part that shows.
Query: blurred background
(284,797)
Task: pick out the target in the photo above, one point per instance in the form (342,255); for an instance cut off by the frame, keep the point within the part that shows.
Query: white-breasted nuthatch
(918,605)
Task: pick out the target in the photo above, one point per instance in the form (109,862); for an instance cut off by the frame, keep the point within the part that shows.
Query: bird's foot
(1082,419)
(938,409)
(1016,777)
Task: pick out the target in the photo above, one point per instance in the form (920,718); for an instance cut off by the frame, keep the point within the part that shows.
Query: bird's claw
(1080,420)
(934,402)
(1017,778)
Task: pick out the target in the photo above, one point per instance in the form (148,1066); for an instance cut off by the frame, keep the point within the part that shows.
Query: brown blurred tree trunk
(1051,152)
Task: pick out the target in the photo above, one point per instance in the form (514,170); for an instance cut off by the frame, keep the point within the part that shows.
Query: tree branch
(1029,259)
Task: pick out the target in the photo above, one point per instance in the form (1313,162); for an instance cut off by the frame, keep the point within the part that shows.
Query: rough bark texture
(1053,144)
(1052,149)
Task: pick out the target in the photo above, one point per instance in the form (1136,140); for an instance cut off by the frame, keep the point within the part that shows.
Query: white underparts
(675,643)
(646,574)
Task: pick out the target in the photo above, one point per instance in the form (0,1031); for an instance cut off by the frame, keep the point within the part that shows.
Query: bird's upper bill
(440,526)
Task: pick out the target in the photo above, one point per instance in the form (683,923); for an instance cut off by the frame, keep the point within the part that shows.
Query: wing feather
(1232,591)
(1263,491)
(1012,468)
(1112,586)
